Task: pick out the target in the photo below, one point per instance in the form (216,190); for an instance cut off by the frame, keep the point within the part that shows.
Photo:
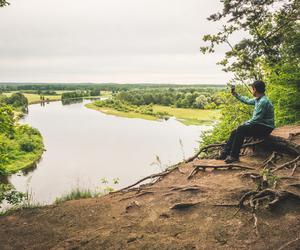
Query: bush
(10,195)
(234,113)
(27,145)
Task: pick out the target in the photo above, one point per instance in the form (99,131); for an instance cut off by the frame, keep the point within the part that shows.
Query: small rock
(131,239)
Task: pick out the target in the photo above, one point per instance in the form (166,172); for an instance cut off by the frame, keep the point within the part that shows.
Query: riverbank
(184,115)
(175,211)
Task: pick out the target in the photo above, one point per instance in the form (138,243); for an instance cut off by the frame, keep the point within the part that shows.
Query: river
(83,146)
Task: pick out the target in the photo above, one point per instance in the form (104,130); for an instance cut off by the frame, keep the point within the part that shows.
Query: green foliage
(4,152)
(269,177)
(74,94)
(269,28)
(6,120)
(18,100)
(112,87)
(22,150)
(76,194)
(116,181)
(234,113)
(126,107)
(10,195)
(95,92)
(3,3)
(42,92)
(180,98)
(270,52)
(27,145)
(104,180)
(284,91)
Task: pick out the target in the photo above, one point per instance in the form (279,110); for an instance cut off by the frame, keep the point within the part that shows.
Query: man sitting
(261,124)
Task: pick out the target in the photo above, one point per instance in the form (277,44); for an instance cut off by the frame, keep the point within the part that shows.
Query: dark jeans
(236,139)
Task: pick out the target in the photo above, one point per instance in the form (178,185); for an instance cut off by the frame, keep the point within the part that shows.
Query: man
(261,124)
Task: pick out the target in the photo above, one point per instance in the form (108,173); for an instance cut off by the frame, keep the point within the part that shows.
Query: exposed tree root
(184,205)
(204,149)
(255,223)
(217,145)
(188,189)
(271,196)
(293,163)
(288,244)
(137,195)
(293,135)
(225,166)
(296,185)
(252,175)
(282,145)
(256,176)
(150,177)
(271,159)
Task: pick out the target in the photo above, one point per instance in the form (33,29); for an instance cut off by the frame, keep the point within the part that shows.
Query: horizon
(111,83)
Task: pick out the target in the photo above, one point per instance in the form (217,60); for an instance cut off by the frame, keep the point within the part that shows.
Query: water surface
(85,145)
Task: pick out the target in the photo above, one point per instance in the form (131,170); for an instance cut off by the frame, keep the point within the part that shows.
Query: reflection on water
(83,146)
(71,101)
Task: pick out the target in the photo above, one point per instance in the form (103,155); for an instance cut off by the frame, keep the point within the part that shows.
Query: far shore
(185,116)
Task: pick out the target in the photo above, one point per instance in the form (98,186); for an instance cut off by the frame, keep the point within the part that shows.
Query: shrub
(27,145)
(10,195)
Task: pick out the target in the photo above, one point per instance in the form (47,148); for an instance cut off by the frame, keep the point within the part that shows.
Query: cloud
(108,41)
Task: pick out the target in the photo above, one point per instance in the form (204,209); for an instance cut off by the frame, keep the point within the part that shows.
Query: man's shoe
(231,159)
(222,156)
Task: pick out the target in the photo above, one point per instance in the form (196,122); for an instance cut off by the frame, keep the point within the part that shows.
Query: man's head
(258,88)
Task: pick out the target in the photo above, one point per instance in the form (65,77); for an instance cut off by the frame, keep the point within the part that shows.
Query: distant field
(190,116)
(111,111)
(35,98)
(186,116)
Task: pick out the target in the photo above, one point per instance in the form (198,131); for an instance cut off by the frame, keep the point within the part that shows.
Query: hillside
(180,209)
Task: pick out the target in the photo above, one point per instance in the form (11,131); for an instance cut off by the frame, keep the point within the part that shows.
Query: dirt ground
(143,218)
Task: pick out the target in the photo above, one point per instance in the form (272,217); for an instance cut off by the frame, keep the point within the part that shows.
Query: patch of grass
(35,98)
(185,116)
(23,206)
(190,116)
(112,111)
(77,194)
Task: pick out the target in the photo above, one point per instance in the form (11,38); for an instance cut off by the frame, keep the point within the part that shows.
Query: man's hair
(260,86)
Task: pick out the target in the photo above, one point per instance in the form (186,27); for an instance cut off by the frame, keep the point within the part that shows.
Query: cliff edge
(200,204)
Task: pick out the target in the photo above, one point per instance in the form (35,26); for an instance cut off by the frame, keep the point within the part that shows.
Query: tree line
(180,98)
(114,87)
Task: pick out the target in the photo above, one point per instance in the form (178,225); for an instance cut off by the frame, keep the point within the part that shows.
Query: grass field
(190,116)
(111,111)
(35,98)
(186,116)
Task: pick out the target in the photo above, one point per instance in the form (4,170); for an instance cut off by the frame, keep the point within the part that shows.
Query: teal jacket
(263,112)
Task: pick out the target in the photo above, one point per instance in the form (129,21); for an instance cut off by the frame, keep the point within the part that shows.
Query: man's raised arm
(243,99)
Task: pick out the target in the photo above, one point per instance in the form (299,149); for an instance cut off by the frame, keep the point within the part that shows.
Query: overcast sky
(124,41)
